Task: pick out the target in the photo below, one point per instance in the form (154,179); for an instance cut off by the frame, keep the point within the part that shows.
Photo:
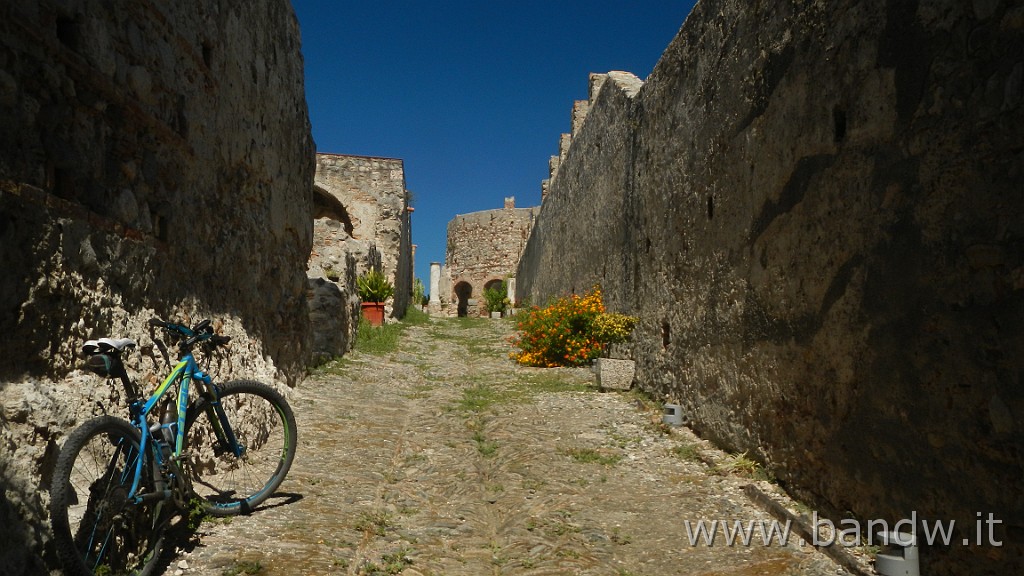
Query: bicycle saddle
(108,345)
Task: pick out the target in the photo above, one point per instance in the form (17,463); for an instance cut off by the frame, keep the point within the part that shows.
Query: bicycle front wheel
(97,528)
(263,425)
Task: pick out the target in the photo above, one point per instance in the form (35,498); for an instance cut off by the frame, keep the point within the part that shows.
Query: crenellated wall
(155,160)
(581,236)
(816,212)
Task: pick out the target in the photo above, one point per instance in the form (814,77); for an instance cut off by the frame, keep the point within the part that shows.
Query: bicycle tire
(106,533)
(264,425)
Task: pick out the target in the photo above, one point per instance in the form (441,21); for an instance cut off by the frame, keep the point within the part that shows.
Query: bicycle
(118,484)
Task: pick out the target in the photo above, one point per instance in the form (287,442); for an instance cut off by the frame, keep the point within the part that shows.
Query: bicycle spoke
(97,525)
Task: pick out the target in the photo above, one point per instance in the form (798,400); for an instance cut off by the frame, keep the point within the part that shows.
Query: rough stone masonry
(483,249)
(817,211)
(155,160)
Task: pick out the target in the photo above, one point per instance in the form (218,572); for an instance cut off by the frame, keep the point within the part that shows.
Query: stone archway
(463,292)
(325,205)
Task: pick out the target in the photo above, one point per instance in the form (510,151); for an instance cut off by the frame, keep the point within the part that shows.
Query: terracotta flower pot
(374,313)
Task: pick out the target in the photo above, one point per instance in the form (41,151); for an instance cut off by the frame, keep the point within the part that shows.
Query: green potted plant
(374,289)
(496,300)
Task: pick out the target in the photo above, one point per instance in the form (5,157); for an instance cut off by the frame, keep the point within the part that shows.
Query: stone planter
(495,314)
(614,374)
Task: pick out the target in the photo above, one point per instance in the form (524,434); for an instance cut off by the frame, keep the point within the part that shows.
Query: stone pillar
(510,285)
(435,284)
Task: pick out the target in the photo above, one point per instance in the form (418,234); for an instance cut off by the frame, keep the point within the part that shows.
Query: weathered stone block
(334,316)
(614,373)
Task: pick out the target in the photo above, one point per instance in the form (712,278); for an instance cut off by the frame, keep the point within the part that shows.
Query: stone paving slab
(445,458)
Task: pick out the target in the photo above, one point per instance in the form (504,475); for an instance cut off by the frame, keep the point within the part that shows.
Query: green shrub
(496,298)
(418,292)
(612,327)
(378,339)
(415,317)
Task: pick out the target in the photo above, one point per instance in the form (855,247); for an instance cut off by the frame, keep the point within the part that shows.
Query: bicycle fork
(219,420)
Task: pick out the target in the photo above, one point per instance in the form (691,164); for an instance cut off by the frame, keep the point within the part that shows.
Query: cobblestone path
(446,458)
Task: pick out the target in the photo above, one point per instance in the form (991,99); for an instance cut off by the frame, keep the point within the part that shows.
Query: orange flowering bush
(570,331)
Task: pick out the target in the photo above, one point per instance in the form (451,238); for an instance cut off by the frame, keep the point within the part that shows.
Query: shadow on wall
(463,292)
(19,553)
(24,231)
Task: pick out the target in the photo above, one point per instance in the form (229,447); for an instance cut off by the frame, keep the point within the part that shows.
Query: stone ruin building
(816,212)
(362,220)
(579,114)
(483,250)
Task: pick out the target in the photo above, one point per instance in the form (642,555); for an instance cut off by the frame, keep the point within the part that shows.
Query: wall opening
(68,33)
(666,334)
(63,184)
(159,229)
(463,292)
(711,207)
(207,53)
(838,124)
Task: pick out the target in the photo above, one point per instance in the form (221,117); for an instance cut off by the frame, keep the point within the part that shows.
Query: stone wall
(155,160)
(816,212)
(332,269)
(376,202)
(483,247)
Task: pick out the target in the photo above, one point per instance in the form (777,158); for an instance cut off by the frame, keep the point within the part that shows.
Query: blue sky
(472,96)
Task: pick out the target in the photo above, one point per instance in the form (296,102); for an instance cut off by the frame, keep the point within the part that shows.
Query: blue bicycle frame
(184,372)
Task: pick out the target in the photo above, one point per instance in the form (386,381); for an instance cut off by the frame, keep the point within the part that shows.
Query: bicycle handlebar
(201,332)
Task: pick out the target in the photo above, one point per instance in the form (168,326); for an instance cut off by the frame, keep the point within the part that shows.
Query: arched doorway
(463,292)
(325,205)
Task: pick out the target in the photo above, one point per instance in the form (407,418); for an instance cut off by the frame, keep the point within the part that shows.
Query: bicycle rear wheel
(264,426)
(96,527)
